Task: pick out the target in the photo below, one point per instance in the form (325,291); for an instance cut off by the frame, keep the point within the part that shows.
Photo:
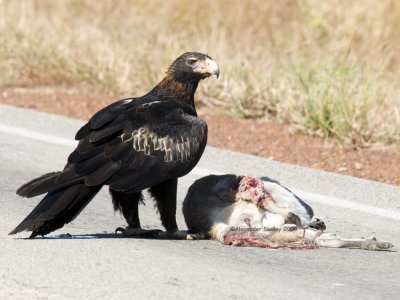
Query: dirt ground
(259,137)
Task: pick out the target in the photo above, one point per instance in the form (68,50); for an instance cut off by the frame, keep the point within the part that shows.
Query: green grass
(329,68)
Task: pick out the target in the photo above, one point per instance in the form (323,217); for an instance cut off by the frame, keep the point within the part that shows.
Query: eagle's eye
(192,61)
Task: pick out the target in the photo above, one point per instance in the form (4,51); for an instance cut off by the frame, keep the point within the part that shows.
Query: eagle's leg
(165,196)
(128,204)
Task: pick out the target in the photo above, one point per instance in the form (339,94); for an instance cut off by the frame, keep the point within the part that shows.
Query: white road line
(336,202)
(52,139)
(198,171)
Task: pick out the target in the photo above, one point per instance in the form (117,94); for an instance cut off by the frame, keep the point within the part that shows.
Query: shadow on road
(68,236)
(81,236)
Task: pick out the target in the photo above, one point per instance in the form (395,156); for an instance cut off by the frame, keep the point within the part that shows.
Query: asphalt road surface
(93,263)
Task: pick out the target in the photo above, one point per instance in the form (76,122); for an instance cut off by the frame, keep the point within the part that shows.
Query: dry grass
(329,67)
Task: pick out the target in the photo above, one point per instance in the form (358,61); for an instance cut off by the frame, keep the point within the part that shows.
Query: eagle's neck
(173,89)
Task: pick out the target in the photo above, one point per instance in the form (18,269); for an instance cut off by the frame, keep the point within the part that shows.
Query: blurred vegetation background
(329,67)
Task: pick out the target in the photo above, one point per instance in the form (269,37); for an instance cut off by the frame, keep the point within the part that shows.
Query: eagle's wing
(131,146)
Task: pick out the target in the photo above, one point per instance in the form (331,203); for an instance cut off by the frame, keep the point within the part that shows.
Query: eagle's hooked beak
(206,68)
(212,67)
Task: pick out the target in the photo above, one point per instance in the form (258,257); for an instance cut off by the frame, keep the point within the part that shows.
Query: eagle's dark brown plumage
(130,145)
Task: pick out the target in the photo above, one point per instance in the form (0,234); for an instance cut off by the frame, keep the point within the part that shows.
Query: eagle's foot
(180,235)
(138,232)
(197,236)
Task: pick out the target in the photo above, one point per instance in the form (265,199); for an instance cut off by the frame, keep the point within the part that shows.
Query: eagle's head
(193,66)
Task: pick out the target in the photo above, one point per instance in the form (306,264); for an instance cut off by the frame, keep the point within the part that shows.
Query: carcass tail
(57,209)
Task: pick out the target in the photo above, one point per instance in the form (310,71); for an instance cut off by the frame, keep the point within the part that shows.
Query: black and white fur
(214,208)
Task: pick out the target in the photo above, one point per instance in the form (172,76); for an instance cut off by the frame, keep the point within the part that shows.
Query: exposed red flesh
(242,239)
(253,189)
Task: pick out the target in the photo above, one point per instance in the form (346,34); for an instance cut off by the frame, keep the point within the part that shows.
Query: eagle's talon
(178,235)
(196,236)
(119,229)
(138,232)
